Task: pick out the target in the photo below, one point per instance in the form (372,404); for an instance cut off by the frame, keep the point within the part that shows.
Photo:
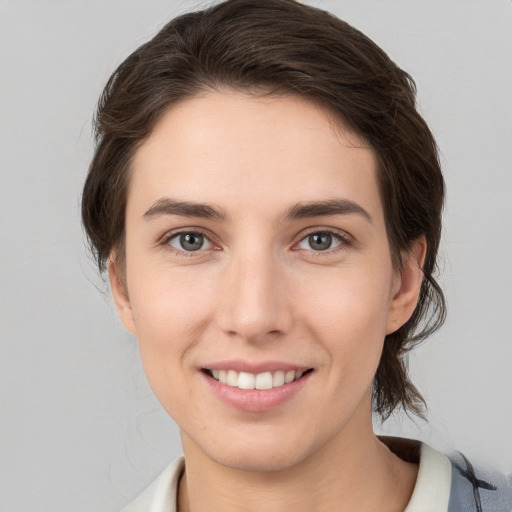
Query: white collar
(162,494)
(431,491)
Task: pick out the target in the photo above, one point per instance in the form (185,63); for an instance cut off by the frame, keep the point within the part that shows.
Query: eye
(189,242)
(320,241)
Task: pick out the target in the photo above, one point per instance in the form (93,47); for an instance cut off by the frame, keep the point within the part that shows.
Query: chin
(257,460)
(261,451)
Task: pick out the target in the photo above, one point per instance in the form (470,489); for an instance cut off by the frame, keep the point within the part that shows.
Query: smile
(260,381)
(256,387)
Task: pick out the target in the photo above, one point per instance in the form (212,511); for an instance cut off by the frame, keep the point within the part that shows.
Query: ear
(407,287)
(120,294)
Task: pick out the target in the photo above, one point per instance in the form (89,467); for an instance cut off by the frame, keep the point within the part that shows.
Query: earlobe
(120,295)
(408,287)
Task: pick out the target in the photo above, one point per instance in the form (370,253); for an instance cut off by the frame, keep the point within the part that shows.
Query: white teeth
(246,380)
(264,381)
(232,378)
(289,376)
(278,378)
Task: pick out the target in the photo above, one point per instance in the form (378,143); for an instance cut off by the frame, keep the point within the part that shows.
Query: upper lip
(255,367)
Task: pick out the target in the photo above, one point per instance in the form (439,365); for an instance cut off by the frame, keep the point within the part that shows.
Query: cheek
(352,298)
(347,313)
(170,314)
(167,304)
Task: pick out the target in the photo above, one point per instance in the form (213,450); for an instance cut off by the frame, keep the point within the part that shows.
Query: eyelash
(165,242)
(344,239)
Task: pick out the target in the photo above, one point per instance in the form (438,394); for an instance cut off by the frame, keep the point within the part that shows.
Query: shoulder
(451,483)
(475,489)
(161,495)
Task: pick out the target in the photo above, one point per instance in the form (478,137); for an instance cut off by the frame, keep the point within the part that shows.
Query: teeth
(232,378)
(289,377)
(278,378)
(264,381)
(246,380)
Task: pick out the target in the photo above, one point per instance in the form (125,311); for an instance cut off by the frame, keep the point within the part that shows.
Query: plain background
(80,429)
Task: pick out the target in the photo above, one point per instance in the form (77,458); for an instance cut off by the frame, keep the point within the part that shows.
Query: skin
(257,291)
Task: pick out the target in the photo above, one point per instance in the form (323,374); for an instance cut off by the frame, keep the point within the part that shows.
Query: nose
(253,302)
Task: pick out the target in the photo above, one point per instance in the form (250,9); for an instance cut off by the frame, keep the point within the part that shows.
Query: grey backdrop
(80,430)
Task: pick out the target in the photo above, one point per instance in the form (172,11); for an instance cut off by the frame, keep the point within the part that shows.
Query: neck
(354,471)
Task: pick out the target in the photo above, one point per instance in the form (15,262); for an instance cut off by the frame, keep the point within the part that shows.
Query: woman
(267,201)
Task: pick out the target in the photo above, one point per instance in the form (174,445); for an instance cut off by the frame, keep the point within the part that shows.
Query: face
(258,278)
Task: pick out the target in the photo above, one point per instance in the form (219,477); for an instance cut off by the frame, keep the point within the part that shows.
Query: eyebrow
(323,208)
(168,206)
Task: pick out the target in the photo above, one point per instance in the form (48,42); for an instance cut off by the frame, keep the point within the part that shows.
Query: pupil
(320,241)
(191,241)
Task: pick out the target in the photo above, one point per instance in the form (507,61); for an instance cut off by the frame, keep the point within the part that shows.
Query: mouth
(260,381)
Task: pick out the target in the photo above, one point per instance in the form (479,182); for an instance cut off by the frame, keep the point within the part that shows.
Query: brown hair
(283,47)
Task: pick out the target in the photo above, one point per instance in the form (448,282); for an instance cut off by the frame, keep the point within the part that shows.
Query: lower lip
(256,400)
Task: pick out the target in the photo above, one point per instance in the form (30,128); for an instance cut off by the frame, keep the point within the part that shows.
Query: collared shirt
(443,485)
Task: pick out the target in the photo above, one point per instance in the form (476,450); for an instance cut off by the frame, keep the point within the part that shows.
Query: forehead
(238,150)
